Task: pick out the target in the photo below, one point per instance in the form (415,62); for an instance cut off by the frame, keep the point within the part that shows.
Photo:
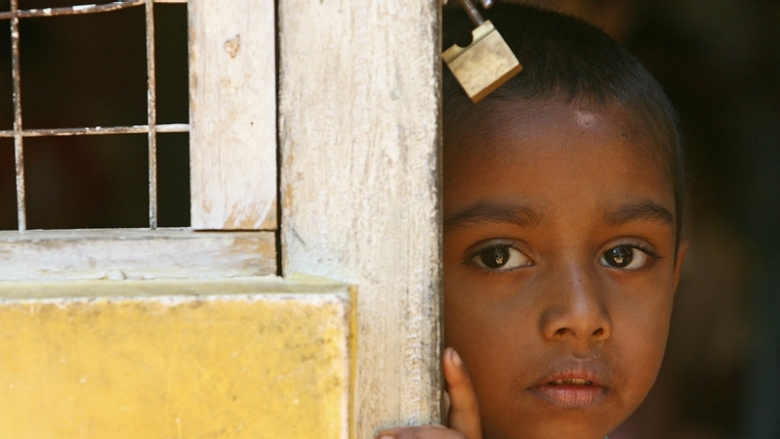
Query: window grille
(216,70)
(152,128)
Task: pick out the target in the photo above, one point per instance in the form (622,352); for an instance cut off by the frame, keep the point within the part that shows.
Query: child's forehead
(500,115)
(552,158)
(484,128)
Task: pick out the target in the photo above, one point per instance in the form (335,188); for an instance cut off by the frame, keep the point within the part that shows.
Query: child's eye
(627,257)
(502,257)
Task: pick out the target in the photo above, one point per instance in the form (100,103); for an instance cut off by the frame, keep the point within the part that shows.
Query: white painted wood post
(233,114)
(359,129)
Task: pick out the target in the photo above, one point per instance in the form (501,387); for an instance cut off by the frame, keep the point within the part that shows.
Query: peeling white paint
(233,115)
(360,145)
(134,254)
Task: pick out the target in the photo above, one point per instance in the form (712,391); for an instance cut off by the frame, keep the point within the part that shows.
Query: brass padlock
(486,63)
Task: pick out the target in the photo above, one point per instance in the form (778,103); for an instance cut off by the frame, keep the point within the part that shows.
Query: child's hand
(463,415)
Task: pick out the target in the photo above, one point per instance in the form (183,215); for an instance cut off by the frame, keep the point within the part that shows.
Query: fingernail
(455,358)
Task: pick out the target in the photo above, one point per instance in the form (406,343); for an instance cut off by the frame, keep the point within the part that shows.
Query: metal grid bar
(21,207)
(151,109)
(79,9)
(87,131)
(151,128)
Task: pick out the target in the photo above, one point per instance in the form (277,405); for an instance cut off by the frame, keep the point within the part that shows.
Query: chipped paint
(134,254)
(233,45)
(360,185)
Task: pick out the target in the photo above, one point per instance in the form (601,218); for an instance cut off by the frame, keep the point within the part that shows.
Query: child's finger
(464,411)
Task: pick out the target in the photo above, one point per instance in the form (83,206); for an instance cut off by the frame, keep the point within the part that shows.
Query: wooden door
(359,128)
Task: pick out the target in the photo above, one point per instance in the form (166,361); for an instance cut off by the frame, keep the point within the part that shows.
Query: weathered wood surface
(134,254)
(359,131)
(233,114)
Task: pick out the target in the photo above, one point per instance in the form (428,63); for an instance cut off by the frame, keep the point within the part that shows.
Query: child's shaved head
(567,60)
(562,195)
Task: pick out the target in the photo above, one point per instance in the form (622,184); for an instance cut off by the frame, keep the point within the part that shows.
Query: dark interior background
(719,61)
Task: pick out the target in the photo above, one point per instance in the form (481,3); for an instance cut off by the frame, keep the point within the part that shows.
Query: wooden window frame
(233,169)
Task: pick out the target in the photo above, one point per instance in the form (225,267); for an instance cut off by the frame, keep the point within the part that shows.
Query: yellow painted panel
(215,366)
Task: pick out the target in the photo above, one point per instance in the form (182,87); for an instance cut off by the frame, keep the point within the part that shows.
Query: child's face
(560,266)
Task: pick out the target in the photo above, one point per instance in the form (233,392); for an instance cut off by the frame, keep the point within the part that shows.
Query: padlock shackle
(472,12)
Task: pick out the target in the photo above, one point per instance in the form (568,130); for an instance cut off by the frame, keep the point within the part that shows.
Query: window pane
(173,179)
(170,22)
(87,182)
(84,70)
(7,185)
(6,84)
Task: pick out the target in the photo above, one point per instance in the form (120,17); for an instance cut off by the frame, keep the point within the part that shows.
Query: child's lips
(570,395)
(576,384)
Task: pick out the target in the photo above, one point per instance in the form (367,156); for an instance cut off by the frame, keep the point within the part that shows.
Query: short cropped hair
(566,58)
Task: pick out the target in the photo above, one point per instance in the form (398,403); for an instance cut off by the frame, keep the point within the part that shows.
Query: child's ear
(682,249)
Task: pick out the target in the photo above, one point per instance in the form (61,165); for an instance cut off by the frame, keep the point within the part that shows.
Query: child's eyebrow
(642,211)
(494,213)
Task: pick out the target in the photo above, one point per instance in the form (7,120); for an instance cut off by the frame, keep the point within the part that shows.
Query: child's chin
(581,417)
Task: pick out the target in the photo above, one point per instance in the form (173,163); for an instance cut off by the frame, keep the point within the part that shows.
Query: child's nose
(575,308)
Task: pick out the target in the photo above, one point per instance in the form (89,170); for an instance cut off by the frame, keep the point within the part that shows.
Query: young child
(562,250)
